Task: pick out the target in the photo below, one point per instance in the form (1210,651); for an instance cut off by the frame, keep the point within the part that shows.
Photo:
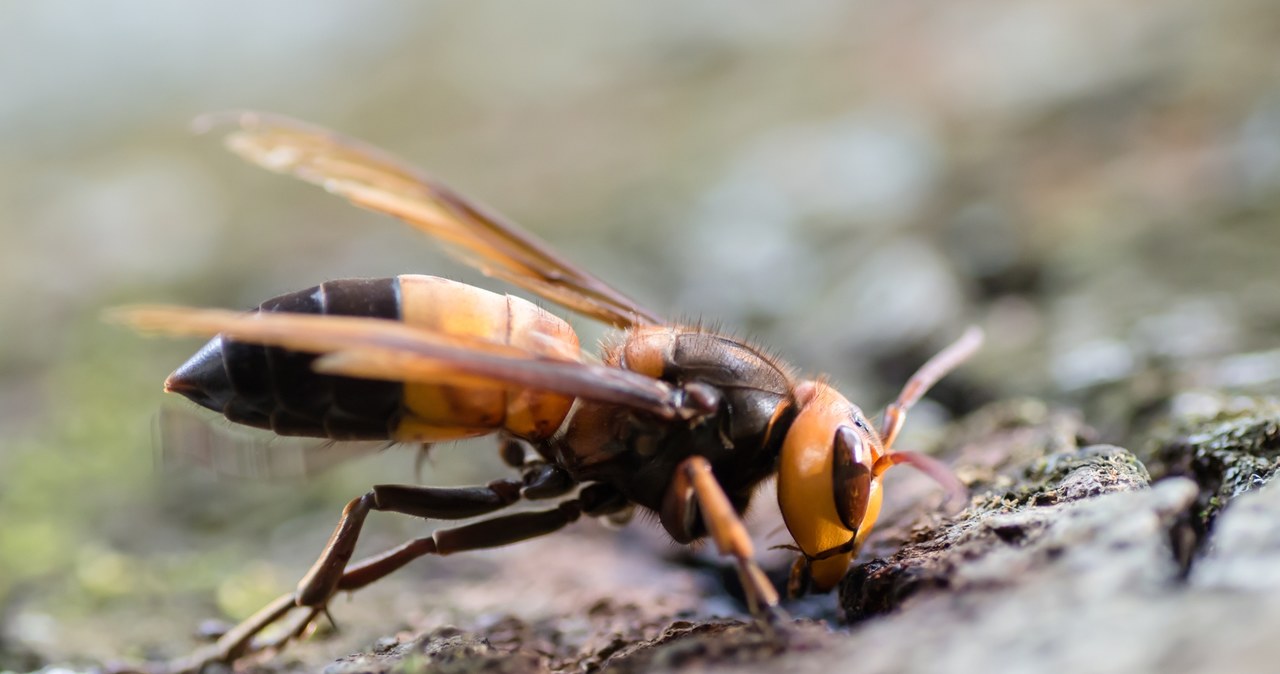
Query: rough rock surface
(1228,445)
(1067,558)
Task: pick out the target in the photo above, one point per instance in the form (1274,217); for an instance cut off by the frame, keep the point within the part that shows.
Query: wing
(374,348)
(183,436)
(370,178)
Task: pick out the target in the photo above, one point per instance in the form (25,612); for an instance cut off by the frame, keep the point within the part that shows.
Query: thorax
(638,454)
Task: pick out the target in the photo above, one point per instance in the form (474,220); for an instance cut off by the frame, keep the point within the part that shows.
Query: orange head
(828,489)
(830,466)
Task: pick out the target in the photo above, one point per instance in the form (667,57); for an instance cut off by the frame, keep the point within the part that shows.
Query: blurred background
(1095,183)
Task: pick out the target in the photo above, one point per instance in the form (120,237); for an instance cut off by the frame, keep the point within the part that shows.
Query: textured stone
(1067,558)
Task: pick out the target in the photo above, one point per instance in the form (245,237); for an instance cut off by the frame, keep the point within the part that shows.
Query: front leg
(694,491)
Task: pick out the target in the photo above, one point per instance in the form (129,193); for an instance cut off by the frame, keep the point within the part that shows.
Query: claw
(774,624)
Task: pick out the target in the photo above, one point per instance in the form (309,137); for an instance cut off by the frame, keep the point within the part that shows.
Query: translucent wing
(372,179)
(184,436)
(382,349)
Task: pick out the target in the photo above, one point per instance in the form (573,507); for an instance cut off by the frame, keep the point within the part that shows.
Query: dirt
(615,642)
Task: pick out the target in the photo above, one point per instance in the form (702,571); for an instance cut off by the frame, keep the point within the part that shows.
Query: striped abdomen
(276,389)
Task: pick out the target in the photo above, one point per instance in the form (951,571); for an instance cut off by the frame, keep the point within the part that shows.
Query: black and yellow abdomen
(277,389)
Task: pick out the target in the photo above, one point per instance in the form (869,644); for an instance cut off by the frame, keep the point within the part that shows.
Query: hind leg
(494,532)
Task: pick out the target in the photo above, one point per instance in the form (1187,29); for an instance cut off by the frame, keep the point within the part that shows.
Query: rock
(1245,546)
(1068,557)
(1228,445)
(1005,537)
(1076,566)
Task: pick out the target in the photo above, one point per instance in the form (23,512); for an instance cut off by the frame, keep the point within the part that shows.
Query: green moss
(1053,478)
(1228,452)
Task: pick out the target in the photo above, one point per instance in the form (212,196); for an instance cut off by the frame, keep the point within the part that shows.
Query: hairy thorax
(638,454)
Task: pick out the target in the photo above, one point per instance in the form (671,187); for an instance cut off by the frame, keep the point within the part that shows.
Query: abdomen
(276,389)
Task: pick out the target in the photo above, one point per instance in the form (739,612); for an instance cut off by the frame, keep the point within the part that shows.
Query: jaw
(825,574)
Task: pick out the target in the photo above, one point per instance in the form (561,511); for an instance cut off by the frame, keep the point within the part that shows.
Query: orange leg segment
(694,481)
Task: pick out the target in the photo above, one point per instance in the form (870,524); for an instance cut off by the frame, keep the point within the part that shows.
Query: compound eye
(851,476)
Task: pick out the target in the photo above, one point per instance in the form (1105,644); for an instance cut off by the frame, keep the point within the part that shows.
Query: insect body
(681,421)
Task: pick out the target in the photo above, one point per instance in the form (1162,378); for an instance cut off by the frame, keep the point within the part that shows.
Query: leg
(693,480)
(489,533)
(319,584)
(514,451)
(420,458)
(540,481)
(936,368)
(798,579)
